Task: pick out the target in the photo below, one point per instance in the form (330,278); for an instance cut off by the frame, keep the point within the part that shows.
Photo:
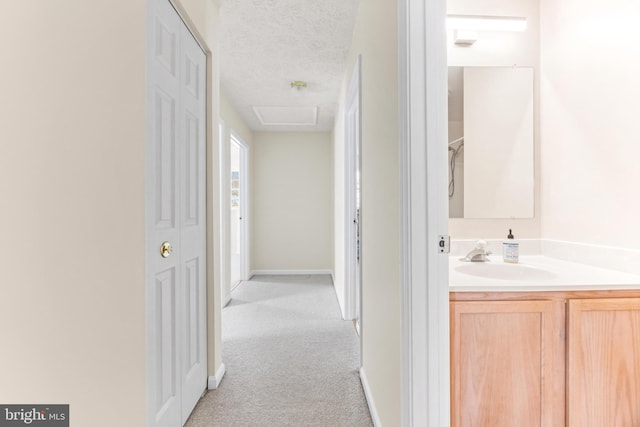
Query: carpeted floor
(291,360)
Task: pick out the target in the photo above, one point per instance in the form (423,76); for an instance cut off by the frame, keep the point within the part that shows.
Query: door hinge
(444,243)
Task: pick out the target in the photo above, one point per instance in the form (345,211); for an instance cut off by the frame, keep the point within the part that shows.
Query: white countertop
(534,273)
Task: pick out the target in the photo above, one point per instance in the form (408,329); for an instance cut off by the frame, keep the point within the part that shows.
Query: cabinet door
(603,362)
(507,364)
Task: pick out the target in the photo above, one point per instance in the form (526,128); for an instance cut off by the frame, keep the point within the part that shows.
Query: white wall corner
(227,300)
(367,394)
(343,307)
(343,311)
(215,380)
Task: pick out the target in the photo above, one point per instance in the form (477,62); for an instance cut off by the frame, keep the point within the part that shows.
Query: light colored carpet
(291,360)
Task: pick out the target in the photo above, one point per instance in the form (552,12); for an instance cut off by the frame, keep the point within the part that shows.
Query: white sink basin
(533,273)
(504,271)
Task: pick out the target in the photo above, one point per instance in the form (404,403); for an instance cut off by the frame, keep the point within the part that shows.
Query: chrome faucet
(478,254)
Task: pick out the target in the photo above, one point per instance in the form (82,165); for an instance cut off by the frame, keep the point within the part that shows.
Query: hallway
(291,360)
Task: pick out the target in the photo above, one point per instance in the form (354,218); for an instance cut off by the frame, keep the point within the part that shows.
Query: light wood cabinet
(603,362)
(545,359)
(505,358)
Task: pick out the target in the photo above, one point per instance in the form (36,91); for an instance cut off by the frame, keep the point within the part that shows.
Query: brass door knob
(165,249)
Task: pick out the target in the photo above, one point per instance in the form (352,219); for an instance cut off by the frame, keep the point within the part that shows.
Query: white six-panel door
(175,217)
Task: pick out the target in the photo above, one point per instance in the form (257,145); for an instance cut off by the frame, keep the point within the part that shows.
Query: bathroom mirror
(491,170)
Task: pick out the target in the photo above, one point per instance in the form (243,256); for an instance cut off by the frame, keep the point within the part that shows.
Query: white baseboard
(214,380)
(367,395)
(290,272)
(235,285)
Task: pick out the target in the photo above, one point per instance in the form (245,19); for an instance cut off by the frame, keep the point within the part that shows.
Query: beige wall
(72,183)
(232,123)
(291,201)
(501,49)
(375,38)
(72,114)
(590,149)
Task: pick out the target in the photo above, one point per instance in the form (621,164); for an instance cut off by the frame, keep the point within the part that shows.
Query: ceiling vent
(286,116)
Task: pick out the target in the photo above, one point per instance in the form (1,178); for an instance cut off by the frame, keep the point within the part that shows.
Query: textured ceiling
(267,44)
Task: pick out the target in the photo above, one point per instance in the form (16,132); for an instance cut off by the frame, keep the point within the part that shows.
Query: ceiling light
(298,85)
(486,23)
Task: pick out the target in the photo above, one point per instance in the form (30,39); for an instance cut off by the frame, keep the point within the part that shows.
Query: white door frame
(224,212)
(352,101)
(244,203)
(422,91)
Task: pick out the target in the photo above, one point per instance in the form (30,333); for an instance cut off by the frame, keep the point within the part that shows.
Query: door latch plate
(444,243)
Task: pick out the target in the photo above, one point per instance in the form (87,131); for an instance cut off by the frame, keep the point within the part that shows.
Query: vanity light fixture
(466,26)
(486,23)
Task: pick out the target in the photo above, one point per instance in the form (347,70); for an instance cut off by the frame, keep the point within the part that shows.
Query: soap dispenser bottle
(510,250)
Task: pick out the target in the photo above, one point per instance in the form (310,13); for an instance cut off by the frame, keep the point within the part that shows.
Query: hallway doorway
(238,216)
(289,111)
